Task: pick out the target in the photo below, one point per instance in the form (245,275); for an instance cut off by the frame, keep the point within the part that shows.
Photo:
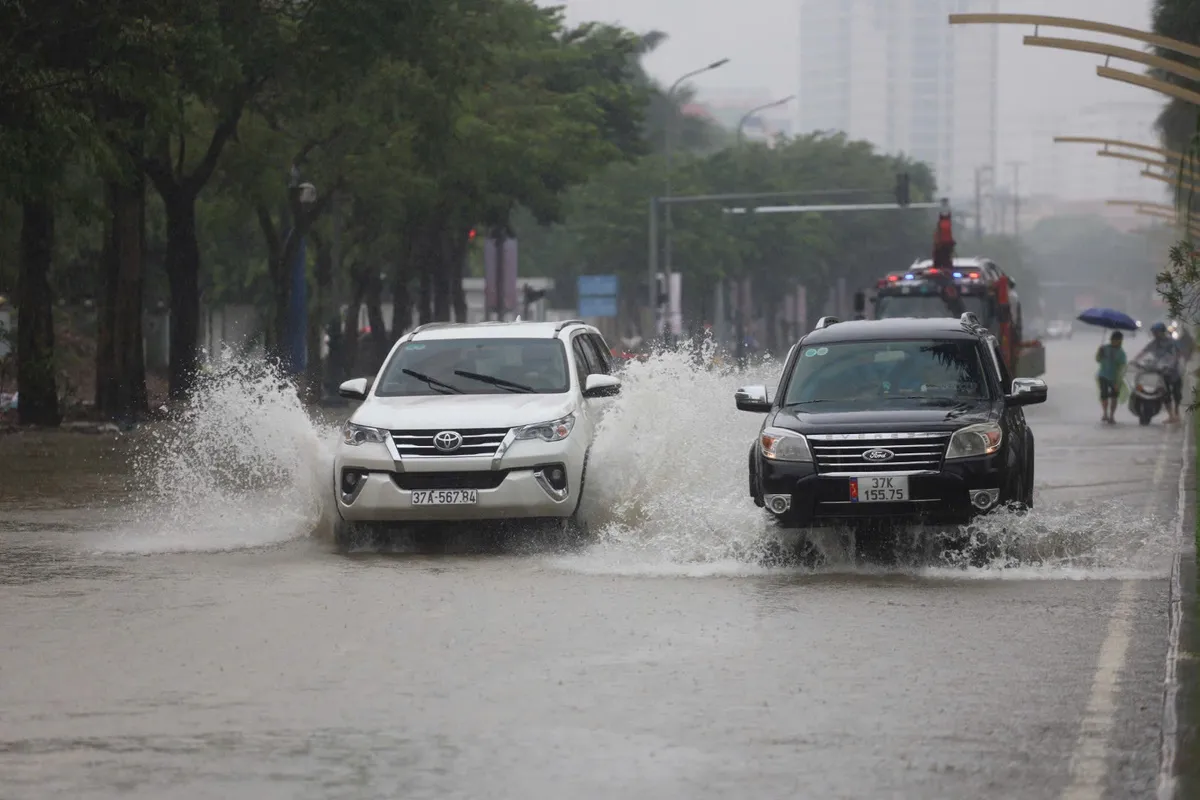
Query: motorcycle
(1149,389)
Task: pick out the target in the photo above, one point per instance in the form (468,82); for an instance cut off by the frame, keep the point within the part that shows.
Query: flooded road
(175,623)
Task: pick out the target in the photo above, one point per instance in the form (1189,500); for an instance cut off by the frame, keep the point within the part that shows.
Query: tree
(1177,19)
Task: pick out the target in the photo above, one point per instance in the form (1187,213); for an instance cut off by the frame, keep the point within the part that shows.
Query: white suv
(485,421)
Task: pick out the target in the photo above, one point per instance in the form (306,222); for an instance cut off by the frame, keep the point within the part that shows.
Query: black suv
(908,419)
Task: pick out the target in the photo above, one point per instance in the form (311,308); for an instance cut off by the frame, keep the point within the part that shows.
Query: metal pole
(1016,167)
(978,206)
(668,147)
(753,111)
(652,267)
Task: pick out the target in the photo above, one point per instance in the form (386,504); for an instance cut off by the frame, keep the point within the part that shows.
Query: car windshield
(880,374)
(476,366)
(924,306)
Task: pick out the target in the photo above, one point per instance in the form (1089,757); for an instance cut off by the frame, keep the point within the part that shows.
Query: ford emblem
(448,441)
(878,455)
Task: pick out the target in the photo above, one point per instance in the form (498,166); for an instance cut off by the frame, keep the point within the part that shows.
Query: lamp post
(750,114)
(305,195)
(668,143)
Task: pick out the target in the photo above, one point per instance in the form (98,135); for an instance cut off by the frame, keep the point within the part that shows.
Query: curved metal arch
(1164,42)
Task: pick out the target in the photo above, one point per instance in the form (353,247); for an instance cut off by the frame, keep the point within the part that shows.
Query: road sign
(597,306)
(597,285)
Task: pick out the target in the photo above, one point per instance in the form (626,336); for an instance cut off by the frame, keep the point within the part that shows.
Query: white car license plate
(879,489)
(444,497)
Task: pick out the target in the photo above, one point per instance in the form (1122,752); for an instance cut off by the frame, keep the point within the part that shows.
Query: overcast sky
(760,37)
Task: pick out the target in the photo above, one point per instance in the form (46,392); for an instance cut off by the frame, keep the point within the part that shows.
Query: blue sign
(597,306)
(597,286)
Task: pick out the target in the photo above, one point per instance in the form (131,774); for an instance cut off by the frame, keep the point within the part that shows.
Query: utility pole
(979,171)
(1016,168)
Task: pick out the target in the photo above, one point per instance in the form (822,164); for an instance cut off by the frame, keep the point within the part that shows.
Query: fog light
(984,499)
(553,480)
(778,503)
(352,481)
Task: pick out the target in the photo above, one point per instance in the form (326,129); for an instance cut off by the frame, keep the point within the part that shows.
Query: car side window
(584,364)
(1005,378)
(600,354)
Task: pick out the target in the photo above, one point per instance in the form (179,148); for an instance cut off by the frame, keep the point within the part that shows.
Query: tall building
(895,73)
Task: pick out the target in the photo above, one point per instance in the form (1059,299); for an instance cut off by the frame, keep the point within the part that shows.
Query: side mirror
(601,386)
(1027,392)
(753,399)
(354,389)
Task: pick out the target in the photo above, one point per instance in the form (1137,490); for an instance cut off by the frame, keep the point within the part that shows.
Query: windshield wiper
(503,384)
(432,381)
(807,402)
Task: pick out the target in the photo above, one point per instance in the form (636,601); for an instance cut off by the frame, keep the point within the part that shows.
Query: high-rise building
(895,73)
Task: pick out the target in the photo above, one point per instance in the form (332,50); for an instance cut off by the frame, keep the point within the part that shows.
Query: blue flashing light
(908,277)
(958,274)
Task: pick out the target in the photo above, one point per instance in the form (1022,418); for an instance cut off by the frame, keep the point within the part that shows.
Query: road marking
(1089,763)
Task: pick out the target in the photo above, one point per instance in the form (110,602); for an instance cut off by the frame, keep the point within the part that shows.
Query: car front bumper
(944,496)
(512,486)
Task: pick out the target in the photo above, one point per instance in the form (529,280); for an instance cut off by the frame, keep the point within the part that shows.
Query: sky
(1042,92)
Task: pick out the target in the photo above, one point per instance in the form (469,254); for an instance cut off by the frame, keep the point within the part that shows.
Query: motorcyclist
(1166,355)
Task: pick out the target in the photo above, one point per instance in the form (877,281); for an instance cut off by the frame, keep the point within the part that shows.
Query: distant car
(485,421)
(902,419)
(1059,329)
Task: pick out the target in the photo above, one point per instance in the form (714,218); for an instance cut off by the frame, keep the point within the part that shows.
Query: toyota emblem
(879,455)
(447,441)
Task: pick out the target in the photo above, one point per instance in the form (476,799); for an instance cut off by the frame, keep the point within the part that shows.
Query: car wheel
(575,527)
(1030,461)
(349,535)
(753,478)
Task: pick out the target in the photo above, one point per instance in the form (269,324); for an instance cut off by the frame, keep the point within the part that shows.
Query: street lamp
(668,143)
(750,114)
(296,350)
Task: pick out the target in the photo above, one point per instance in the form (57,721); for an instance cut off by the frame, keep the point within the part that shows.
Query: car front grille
(475,442)
(449,480)
(847,452)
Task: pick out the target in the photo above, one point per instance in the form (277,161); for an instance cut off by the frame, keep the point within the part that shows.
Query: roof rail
(562,323)
(969,318)
(825,322)
(429,325)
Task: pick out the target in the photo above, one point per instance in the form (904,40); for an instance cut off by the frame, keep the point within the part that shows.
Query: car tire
(575,527)
(349,535)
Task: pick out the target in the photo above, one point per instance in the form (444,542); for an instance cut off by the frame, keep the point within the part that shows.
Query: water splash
(243,464)
(668,495)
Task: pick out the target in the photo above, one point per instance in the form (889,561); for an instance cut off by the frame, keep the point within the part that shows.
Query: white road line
(1167,783)
(1089,763)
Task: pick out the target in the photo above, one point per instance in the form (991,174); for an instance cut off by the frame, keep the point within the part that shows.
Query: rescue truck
(973,284)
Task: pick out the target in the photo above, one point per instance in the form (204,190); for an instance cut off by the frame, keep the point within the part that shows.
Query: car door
(1014,416)
(602,362)
(585,364)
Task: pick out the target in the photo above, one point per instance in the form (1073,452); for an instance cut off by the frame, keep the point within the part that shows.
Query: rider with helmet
(1166,352)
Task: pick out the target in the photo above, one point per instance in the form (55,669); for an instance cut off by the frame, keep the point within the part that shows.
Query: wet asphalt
(296,672)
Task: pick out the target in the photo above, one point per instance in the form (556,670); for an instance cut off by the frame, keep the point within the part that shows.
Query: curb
(1180,694)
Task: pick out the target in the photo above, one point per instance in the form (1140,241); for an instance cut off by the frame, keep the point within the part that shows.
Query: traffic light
(902,194)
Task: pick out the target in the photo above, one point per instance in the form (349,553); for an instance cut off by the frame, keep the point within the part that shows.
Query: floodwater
(175,622)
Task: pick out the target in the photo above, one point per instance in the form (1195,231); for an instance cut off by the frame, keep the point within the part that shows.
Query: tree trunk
(183,277)
(402,304)
(314,378)
(120,352)
(37,386)
(425,292)
(350,327)
(378,338)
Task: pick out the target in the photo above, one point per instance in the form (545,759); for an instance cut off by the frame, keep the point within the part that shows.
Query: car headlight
(553,431)
(975,440)
(355,435)
(780,445)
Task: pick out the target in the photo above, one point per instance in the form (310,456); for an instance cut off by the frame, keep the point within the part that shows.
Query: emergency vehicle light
(958,274)
(908,277)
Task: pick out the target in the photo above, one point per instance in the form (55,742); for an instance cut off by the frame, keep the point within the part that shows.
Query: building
(894,73)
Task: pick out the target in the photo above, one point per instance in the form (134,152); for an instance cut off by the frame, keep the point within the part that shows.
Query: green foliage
(1177,19)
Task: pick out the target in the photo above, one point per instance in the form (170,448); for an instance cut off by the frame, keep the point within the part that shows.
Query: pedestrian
(1111,358)
(1166,354)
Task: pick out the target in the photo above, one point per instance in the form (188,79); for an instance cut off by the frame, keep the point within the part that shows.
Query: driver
(1165,352)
